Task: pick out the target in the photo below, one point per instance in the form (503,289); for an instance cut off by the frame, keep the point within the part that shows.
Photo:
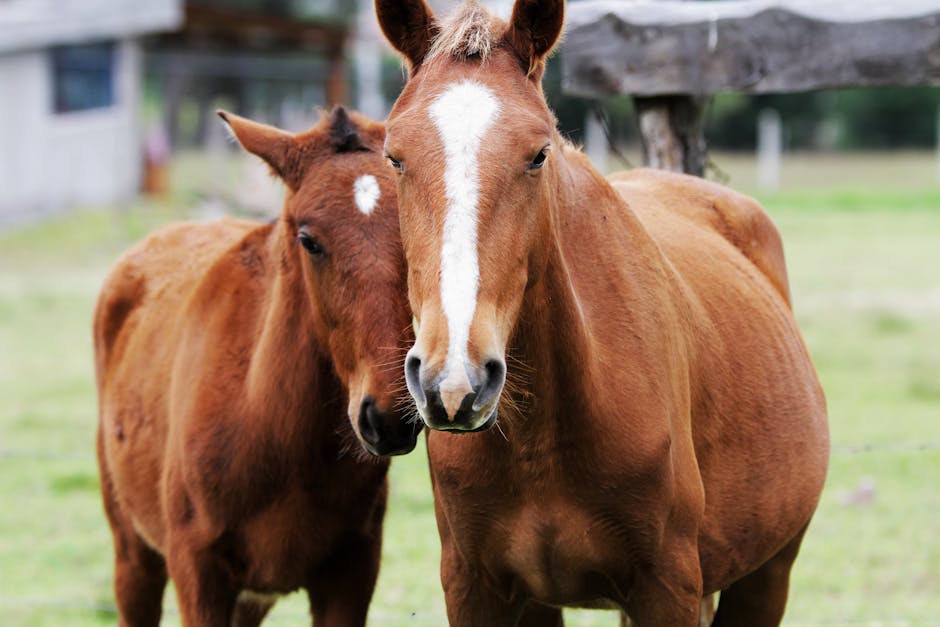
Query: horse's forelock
(470,31)
(343,132)
(339,131)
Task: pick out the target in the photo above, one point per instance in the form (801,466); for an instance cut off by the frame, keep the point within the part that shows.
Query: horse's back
(737,218)
(152,278)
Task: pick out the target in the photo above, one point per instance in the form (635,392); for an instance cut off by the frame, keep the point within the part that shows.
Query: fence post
(595,140)
(368,63)
(769,145)
(671,131)
(938,144)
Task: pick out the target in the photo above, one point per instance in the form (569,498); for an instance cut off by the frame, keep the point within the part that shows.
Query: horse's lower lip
(400,445)
(453,428)
(404,449)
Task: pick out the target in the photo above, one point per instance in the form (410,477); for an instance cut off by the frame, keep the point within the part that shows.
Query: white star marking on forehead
(367,193)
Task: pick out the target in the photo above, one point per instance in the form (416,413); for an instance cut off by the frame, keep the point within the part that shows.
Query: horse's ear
(409,26)
(534,29)
(271,144)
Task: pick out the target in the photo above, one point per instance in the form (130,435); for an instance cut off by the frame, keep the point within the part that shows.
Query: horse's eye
(539,160)
(395,163)
(311,245)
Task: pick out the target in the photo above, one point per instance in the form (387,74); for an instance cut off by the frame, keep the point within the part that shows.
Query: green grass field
(864,255)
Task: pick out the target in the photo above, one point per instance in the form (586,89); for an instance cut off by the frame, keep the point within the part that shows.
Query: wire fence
(845,449)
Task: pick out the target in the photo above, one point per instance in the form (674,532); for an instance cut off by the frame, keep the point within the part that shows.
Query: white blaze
(366,192)
(463,114)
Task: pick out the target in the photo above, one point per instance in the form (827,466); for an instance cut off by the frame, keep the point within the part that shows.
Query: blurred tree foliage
(842,119)
(885,117)
(895,117)
(330,10)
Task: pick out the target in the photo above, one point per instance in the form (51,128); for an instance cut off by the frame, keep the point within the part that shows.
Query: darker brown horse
(228,356)
(663,432)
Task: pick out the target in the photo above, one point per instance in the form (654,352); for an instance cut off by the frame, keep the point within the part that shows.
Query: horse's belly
(133,454)
(752,512)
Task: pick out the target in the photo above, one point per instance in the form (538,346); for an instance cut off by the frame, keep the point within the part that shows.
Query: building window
(83,77)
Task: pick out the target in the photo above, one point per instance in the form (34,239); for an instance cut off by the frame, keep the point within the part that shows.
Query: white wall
(50,162)
(32,24)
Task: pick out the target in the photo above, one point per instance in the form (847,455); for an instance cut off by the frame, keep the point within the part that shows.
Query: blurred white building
(69,100)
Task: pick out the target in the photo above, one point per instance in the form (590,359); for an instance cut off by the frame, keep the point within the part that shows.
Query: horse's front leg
(472,599)
(671,593)
(203,559)
(705,617)
(205,589)
(538,615)
(470,603)
(342,590)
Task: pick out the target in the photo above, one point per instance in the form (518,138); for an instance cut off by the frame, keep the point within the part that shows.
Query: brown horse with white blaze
(663,434)
(228,356)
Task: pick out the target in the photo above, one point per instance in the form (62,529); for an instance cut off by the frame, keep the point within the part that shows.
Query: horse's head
(339,238)
(471,138)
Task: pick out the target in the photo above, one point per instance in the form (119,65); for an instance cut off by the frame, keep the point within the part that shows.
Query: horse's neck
(289,370)
(552,342)
(600,264)
(556,335)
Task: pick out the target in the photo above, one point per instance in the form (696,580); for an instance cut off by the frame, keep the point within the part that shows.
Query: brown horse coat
(228,355)
(662,432)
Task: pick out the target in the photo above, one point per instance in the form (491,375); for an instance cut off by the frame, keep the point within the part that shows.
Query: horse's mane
(470,31)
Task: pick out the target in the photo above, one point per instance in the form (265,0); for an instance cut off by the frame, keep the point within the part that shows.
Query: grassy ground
(864,258)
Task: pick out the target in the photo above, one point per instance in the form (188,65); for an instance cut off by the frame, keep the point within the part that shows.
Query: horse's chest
(561,552)
(289,540)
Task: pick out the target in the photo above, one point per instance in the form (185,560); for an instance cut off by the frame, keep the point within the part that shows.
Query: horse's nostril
(413,379)
(385,433)
(413,366)
(368,425)
(495,370)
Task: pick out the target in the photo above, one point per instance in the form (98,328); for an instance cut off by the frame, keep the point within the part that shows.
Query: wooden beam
(753,46)
(258,30)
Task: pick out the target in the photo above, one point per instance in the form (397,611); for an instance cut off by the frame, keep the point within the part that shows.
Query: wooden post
(671,131)
(174,92)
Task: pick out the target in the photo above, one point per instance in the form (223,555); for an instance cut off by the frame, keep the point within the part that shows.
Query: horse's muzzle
(386,434)
(455,408)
